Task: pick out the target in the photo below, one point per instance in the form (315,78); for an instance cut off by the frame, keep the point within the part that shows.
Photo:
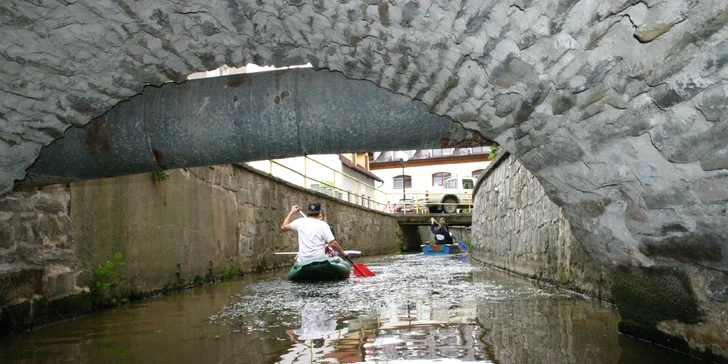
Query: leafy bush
(105,276)
(493,152)
(230,271)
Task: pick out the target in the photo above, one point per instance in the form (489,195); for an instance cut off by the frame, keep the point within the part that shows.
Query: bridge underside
(424,219)
(242,118)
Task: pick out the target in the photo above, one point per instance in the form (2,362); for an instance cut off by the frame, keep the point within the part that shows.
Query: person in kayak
(313,233)
(441,231)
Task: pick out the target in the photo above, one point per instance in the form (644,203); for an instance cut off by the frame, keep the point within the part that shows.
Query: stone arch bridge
(617,107)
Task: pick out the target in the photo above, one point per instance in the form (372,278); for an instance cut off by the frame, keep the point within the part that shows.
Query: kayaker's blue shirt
(442,236)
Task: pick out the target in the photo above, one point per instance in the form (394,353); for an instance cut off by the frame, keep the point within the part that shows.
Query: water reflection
(425,339)
(416,309)
(314,338)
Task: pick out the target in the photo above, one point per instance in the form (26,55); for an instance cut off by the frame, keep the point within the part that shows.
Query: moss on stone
(686,249)
(648,295)
(230,271)
(384,14)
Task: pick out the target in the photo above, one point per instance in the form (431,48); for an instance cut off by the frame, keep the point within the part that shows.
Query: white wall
(322,175)
(422,177)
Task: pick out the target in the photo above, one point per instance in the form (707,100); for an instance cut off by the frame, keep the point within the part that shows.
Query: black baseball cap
(314,207)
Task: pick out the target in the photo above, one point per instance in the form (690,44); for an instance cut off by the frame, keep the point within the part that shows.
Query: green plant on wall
(400,247)
(160,176)
(106,276)
(493,152)
(230,271)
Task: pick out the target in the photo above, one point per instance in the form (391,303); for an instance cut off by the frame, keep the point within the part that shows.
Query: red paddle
(360,270)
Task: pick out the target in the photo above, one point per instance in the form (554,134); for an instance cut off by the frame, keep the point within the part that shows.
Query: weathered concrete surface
(206,219)
(616,106)
(202,220)
(197,224)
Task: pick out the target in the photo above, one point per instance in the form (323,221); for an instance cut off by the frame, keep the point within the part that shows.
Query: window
(439,177)
(478,150)
(477,173)
(398,181)
(467,184)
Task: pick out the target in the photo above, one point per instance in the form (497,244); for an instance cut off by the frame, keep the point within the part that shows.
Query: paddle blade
(361,270)
(357,272)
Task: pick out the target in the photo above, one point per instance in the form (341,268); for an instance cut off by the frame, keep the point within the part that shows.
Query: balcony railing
(377,199)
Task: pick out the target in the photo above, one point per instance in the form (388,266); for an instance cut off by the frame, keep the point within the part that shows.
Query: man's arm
(335,245)
(286,225)
(433,228)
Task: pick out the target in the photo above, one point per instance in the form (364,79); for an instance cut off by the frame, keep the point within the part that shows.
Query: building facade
(412,173)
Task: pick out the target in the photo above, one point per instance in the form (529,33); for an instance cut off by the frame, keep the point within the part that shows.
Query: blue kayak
(437,249)
(320,269)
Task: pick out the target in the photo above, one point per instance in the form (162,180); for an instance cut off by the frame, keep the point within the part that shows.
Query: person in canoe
(313,233)
(441,231)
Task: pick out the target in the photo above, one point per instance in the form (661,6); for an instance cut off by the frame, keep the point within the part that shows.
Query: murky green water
(418,309)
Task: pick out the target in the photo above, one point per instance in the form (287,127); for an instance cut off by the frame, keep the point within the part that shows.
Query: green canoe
(319,269)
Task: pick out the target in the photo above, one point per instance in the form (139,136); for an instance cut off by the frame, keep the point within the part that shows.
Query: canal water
(417,309)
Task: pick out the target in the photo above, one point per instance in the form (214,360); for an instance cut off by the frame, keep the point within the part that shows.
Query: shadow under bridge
(412,227)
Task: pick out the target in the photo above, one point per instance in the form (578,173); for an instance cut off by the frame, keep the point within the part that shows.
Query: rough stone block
(712,190)
(20,284)
(49,205)
(715,161)
(8,230)
(58,285)
(14,204)
(670,197)
(690,248)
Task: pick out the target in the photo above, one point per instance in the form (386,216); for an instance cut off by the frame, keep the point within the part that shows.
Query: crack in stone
(21,95)
(710,268)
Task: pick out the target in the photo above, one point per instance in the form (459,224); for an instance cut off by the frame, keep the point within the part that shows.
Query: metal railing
(330,187)
(379,200)
(419,205)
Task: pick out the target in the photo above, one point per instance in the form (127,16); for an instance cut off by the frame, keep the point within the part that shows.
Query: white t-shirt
(313,235)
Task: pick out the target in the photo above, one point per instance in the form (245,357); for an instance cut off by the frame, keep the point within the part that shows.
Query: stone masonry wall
(516,227)
(197,224)
(38,264)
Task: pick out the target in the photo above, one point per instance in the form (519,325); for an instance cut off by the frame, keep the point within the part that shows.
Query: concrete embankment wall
(516,227)
(198,224)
